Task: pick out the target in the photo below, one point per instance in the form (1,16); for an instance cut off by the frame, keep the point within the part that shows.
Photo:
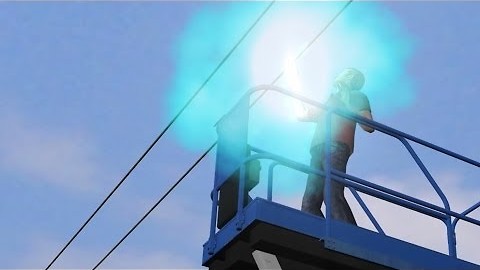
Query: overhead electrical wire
(213,145)
(306,48)
(156,204)
(227,56)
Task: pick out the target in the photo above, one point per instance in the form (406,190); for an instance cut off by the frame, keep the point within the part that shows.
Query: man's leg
(313,196)
(340,208)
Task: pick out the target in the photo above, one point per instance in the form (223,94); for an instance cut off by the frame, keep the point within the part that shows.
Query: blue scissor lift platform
(240,226)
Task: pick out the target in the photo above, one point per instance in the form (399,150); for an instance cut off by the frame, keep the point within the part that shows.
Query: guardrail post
(452,241)
(328,172)
(448,214)
(213,222)
(270,180)
(241,193)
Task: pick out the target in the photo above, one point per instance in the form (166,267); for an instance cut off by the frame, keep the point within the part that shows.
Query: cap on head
(350,79)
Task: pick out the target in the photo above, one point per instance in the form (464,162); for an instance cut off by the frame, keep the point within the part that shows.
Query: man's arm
(361,105)
(367,114)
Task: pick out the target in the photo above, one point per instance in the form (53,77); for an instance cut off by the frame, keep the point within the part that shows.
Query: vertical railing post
(452,249)
(455,220)
(213,223)
(328,172)
(241,194)
(451,238)
(270,180)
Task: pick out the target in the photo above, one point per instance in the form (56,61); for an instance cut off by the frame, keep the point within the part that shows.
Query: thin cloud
(158,259)
(55,156)
(42,247)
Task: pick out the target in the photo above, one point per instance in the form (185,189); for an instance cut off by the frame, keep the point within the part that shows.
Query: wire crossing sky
(158,138)
(214,144)
(364,30)
(85,86)
(207,17)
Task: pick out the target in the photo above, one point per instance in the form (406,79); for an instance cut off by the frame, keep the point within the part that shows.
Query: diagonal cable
(163,132)
(208,150)
(306,47)
(156,204)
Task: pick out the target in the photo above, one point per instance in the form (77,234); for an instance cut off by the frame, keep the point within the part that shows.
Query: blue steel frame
(354,183)
(360,201)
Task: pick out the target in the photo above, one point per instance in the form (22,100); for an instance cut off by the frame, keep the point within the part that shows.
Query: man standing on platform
(347,97)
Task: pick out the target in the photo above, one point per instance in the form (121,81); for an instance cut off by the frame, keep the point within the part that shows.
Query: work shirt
(343,129)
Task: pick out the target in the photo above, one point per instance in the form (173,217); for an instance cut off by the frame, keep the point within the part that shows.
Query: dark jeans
(314,191)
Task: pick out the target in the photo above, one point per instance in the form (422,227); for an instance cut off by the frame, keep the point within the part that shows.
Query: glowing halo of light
(293,79)
(286,34)
(367,36)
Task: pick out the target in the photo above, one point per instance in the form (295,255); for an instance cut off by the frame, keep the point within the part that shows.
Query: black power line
(163,132)
(212,146)
(156,204)
(306,48)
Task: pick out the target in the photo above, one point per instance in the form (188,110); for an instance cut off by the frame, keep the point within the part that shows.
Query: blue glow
(366,36)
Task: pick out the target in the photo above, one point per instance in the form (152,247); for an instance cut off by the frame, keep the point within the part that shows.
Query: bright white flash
(293,80)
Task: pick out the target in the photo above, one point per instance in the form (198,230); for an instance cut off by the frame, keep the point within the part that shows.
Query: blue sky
(86,86)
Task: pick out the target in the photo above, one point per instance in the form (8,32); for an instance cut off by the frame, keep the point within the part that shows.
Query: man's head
(350,80)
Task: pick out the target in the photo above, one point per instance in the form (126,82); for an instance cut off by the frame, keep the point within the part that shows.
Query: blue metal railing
(466,212)
(353,191)
(444,213)
(358,184)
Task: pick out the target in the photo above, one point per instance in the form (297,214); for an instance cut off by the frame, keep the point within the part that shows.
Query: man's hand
(309,114)
(368,115)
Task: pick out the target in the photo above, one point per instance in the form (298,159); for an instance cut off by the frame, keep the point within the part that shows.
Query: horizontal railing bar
(365,189)
(391,198)
(353,191)
(378,126)
(466,212)
(340,176)
(306,169)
